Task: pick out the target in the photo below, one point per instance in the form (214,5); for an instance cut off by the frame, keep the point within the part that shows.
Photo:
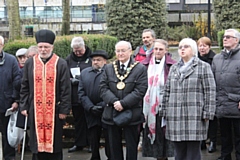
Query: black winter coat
(88,93)
(83,62)
(208,57)
(130,97)
(226,70)
(9,80)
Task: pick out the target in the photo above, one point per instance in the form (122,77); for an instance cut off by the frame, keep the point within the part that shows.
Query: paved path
(84,155)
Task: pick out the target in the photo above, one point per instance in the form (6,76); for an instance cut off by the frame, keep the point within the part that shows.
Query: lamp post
(46,9)
(5,10)
(209,20)
(34,9)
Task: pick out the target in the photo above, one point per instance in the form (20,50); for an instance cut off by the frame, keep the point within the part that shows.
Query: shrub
(227,14)
(195,30)
(176,33)
(220,38)
(62,44)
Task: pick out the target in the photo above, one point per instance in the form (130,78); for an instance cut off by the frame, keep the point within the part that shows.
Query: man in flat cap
(21,55)
(88,92)
(45,98)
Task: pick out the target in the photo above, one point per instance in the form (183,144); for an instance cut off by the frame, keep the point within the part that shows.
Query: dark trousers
(212,131)
(187,150)
(47,156)
(81,130)
(107,147)
(131,134)
(8,151)
(95,135)
(226,126)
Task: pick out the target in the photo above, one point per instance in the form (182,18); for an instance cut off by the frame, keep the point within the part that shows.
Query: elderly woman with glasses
(188,102)
(154,143)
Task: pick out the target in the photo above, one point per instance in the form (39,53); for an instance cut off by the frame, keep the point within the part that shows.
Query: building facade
(91,12)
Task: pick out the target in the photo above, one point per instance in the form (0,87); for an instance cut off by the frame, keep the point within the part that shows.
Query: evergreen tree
(227,14)
(126,19)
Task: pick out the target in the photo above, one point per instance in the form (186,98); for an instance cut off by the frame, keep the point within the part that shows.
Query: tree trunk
(14,19)
(66,17)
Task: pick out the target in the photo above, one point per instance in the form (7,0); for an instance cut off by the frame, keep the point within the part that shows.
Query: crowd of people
(174,106)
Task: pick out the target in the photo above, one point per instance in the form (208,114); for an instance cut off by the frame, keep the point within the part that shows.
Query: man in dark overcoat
(9,95)
(226,70)
(122,88)
(78,60)
(88,92)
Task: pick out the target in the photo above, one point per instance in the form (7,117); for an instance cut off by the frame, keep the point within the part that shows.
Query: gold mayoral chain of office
(121,84)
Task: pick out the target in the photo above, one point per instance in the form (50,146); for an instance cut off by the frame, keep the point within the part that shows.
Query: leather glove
(97,110)
(74,81)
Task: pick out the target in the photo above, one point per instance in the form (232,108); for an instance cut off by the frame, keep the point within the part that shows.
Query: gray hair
(162,41)
(150,30)
(191,43)
(236,33)
(77,42)
(32,49)
(2,39)
(124,42)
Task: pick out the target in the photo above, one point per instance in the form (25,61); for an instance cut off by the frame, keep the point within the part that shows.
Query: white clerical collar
(125,64)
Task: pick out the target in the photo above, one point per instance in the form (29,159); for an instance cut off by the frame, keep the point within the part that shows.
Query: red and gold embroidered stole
(44,101)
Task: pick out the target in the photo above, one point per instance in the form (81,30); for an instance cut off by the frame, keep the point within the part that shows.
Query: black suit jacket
(129,97)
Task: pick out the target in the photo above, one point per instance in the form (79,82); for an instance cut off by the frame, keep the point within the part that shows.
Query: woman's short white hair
(77,42)
(191,43)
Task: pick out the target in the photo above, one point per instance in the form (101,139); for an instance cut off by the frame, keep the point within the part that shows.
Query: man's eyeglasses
(184,46)
(228,37)
(122,50)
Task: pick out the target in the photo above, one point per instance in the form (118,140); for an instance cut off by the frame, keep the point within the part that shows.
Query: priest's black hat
(44,35)
(101,53)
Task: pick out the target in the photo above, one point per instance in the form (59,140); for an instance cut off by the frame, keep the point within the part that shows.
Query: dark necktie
(122,68)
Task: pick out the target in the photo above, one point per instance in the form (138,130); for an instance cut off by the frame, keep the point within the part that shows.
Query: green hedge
(220,38)
(62,44)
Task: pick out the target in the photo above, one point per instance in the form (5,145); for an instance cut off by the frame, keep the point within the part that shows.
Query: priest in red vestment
(45,98)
